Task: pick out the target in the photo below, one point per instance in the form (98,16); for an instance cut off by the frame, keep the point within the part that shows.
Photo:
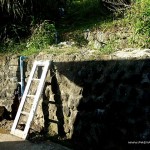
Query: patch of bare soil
(35,141)
(10,142)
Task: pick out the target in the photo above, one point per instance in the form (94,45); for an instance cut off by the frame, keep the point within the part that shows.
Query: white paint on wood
(23,134)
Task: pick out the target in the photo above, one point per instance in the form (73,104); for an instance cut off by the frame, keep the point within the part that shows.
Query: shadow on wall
(114,107)
(57,102)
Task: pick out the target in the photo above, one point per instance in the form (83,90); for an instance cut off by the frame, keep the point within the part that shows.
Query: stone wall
(9,77)
(97,103)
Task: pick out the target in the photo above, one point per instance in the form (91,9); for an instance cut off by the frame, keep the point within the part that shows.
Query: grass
(131,30)
(125,29)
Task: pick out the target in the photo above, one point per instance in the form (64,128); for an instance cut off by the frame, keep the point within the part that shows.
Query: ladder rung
(36,79)
(18,133)
(25,113)
(30,95)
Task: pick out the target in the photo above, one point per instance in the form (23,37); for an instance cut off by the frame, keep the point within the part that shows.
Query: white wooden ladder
(35,98)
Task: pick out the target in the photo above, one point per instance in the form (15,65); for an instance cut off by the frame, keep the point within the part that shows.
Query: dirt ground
(10,142)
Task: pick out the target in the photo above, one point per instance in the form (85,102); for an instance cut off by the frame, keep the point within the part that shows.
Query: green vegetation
(27,28)
(138,20)
(42,37)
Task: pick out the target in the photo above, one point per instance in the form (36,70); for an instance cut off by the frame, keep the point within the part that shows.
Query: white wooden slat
(18,133)
(24,133)
(30,95)
(40,63)
(23,98)
(25,113)
(36,79)
(36,99)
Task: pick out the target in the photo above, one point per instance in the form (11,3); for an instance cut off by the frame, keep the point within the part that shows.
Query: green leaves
(42,36)
(142,25)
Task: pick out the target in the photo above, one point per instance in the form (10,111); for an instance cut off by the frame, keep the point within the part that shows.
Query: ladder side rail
(36,99)
(23,98)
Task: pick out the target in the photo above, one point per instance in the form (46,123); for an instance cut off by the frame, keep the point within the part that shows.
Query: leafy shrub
(139,17)
(42,36)
(143,18)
